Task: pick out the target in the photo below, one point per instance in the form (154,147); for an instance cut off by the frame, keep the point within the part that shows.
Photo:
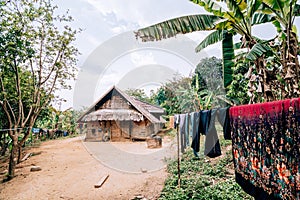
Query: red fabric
(253,110)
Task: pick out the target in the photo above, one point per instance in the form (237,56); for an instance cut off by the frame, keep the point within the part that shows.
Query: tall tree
(35,41)
(237,18)
(284,13)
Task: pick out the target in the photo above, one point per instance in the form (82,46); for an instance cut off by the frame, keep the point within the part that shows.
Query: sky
(111,55)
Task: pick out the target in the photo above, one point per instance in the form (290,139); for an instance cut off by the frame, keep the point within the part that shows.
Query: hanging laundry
(223,118)
(265,145)
(182,122)
(212,145)
(195,119)
(176,121)
(204,121)
(191,128)
(187,127)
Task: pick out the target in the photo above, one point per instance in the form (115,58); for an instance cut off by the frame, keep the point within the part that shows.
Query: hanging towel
(266,145)
(204,121)
(223,118)
(212,145)
(187,129)
(191,128)
(182,132)
(195,119)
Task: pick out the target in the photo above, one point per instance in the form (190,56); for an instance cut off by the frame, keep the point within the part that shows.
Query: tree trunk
(19,153)
(13,159)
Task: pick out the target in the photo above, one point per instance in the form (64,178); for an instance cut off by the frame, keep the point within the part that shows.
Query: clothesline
(196,123)
(200,123)
(265,144)
(12,129)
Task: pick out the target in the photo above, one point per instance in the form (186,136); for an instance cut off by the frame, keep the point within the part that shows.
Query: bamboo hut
(117,116)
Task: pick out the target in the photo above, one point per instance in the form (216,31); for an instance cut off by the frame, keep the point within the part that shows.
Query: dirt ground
(69,171)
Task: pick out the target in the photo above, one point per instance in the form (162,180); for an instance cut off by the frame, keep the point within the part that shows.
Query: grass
(203,178)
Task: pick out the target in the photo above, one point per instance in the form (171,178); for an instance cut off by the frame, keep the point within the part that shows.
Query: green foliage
(237,90)
(140,95)
(37,58)
(201,91)
(202,180)
(178,96)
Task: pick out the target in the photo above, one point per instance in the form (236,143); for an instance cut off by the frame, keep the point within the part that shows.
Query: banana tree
(284,13)
(237,18)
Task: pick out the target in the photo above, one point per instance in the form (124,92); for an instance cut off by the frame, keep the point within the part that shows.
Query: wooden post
(178,155)
(102,180)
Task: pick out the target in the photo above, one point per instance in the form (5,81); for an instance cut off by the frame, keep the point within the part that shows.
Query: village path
(70,168)
(138,157)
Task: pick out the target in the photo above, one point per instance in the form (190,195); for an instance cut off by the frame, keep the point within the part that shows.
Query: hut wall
(96,131)
(116,102)
(93,132)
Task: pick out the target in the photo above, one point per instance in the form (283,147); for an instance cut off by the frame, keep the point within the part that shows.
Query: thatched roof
(113,114)
(141,108)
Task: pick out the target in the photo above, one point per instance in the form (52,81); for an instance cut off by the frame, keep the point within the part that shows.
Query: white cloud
(142,58)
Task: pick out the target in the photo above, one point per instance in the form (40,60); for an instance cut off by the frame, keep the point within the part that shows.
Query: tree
(36,42)
(284,13)
(210,80)
(237,18)
(138,94)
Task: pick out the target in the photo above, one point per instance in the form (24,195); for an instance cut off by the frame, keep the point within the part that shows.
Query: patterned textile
(265,145)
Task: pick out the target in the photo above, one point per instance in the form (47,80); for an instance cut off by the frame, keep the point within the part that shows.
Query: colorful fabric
(265,145)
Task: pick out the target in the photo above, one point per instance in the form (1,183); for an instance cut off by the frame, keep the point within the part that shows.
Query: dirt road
(70,169)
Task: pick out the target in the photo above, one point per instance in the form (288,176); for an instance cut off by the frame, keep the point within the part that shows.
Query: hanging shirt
(266,145)
(212,145)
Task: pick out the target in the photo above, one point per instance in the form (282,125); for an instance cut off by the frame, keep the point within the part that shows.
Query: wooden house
(117,116)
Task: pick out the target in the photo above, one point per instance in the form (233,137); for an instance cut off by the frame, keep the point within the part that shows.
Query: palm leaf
(181,25)
(237,7)
(228,56)
(211,7)
(278,5)
(258,50)
(253,6)
(297,10)
(260,18)
(237,45)
(212,38)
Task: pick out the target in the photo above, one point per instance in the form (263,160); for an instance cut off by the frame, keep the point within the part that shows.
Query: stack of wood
(154,142)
